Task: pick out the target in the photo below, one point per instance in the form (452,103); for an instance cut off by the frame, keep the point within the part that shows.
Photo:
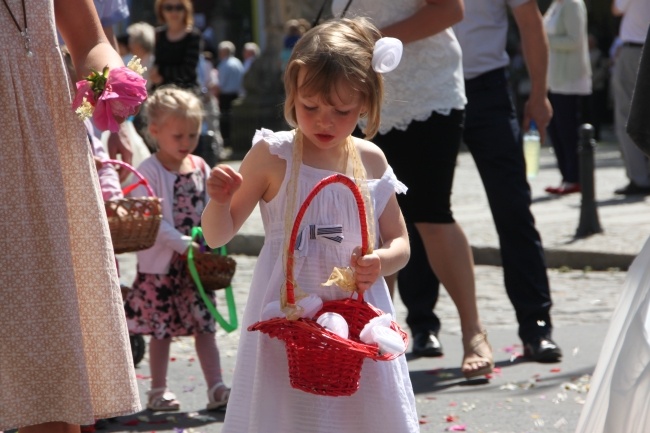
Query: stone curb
(556,258)
(251,244)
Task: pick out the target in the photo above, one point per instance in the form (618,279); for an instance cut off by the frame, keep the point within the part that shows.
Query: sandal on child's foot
(477,359)
(218,396)
(162,400)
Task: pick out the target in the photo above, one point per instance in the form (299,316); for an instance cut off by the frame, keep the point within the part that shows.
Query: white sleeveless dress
(262,399)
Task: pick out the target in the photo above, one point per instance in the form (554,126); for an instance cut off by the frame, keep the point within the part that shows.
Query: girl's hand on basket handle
(367,268)
(222,183)
(98,163)
(195,246)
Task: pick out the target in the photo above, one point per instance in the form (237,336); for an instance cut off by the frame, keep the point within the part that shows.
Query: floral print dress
(169,305)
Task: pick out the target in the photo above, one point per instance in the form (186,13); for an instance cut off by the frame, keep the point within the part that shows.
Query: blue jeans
(493,136)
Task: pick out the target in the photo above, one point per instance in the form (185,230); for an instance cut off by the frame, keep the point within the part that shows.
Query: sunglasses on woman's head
(170,8)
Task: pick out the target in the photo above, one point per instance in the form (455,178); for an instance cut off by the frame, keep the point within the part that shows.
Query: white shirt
(636,19)
(482,35)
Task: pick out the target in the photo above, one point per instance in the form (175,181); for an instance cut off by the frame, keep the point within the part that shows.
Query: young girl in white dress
(332,79)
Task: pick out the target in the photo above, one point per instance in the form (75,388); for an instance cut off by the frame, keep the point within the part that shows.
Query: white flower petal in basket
(366,333)
(272,310)
(311,305)
(335,323)
(388,340)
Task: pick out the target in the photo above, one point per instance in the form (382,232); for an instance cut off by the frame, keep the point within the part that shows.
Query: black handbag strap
(322,8)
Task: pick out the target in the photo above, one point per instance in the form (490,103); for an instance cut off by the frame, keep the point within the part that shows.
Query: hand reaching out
(367,268)
(98,163)
(119,144)
(154,76)
(222,183)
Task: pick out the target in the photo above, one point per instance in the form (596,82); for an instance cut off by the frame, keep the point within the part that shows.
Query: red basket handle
(335,178)
(136,173)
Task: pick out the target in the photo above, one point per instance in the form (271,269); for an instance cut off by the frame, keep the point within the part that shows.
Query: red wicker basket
(321,362)
(133,221)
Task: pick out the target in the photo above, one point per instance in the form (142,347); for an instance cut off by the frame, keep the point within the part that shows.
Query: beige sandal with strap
(475,354)
(162,400)
(213,403)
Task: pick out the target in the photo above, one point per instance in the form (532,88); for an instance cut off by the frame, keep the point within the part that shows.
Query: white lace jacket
(430,75)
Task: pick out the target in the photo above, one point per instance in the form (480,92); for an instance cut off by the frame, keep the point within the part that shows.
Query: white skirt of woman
(619,397)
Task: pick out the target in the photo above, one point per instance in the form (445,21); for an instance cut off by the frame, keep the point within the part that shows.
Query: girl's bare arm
(233,196)
(395,251)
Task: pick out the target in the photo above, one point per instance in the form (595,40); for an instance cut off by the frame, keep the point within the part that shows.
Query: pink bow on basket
(111,94)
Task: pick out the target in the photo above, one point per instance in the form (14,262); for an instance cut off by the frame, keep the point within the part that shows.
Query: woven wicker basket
(214,269)
(133,222)
(216,272)
(321,362)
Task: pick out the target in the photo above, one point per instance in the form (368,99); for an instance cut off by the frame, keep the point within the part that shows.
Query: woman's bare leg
(450,257)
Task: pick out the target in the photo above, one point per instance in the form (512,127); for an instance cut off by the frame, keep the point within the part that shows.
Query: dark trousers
(225,108)
(493,136)
(563,131)
(638,126)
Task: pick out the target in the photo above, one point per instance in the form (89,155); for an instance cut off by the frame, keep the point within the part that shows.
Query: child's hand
(98,163)
(366,269)
(154,75)
(119,144)
(222,183)
(195,246)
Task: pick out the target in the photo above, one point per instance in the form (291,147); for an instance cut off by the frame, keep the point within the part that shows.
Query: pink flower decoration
(125,90)
(84,90)
(112,94)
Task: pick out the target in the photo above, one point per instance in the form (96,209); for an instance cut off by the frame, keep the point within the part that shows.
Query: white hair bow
(386,55)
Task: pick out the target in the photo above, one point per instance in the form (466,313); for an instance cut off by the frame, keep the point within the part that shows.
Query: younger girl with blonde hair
(332,79)
(164,301)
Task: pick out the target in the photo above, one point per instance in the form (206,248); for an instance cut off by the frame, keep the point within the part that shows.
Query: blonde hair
(188,18)
(169,101)
(336,50)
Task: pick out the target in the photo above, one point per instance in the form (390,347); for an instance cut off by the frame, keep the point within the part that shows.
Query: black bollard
(589,223)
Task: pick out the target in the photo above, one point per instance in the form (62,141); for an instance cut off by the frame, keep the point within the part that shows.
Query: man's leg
(623,81)
(493,137)
(225,105)
(563,131)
